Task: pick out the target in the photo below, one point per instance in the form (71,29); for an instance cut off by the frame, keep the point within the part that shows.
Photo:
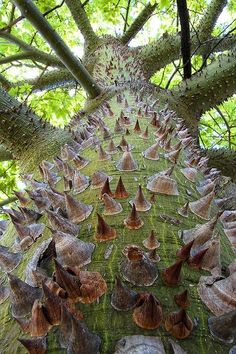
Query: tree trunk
(130,98)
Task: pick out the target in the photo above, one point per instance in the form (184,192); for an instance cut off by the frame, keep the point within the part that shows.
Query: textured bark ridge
(136,150)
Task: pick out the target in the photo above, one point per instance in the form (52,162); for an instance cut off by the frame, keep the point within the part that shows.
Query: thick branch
(167,49)
(224,160)
(208,20)
(185,37)
(5,155)
(217,44)
(80,17)
(25,135)
(34,55)
(30,11)
(210,87)
(138,23)
(51,80)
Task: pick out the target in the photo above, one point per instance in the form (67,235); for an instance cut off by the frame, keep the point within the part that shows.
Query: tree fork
(30,11)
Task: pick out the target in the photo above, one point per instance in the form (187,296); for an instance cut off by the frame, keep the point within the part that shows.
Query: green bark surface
(100,317)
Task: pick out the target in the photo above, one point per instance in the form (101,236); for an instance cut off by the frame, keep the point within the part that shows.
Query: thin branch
(138,23)
(50,80)
(226,124)
(185,37)
(11,16)
(54,8)
(172,75)
(36,53)
(7,201)
(126,16)
(209,88)
(14,22)
(202,141)
(35,56)
(212,49)
(81,19)
(162,77)
(13,39)
(31,12)
(167,49)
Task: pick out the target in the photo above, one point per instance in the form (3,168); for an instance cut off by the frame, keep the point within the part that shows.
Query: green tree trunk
(134,99)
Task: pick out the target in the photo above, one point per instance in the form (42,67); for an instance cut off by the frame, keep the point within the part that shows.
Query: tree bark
(138,24)
(25,135)
(210,87)
(83,23)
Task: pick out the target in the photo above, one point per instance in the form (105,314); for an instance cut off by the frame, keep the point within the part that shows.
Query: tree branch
(226,124)
(81,19)
(25,135)
(209,18)
(30,11)
(157,55)
(138,23)
(206,56)
(18,19)
(210,87)
(5,155)
(224,160)
(185,37)
(13,39)
(51,80)
(126,16)
(7,201)
(34,55)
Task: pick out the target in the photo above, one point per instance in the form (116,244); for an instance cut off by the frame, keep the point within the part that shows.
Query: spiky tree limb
(5,155)
(25,135)
(34,55)
(224,160)
(210,87)
(217,44)
(51,80)
(31,12)
(157,55)
(81,19)
(185,37)
(138,23)
(209,18)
